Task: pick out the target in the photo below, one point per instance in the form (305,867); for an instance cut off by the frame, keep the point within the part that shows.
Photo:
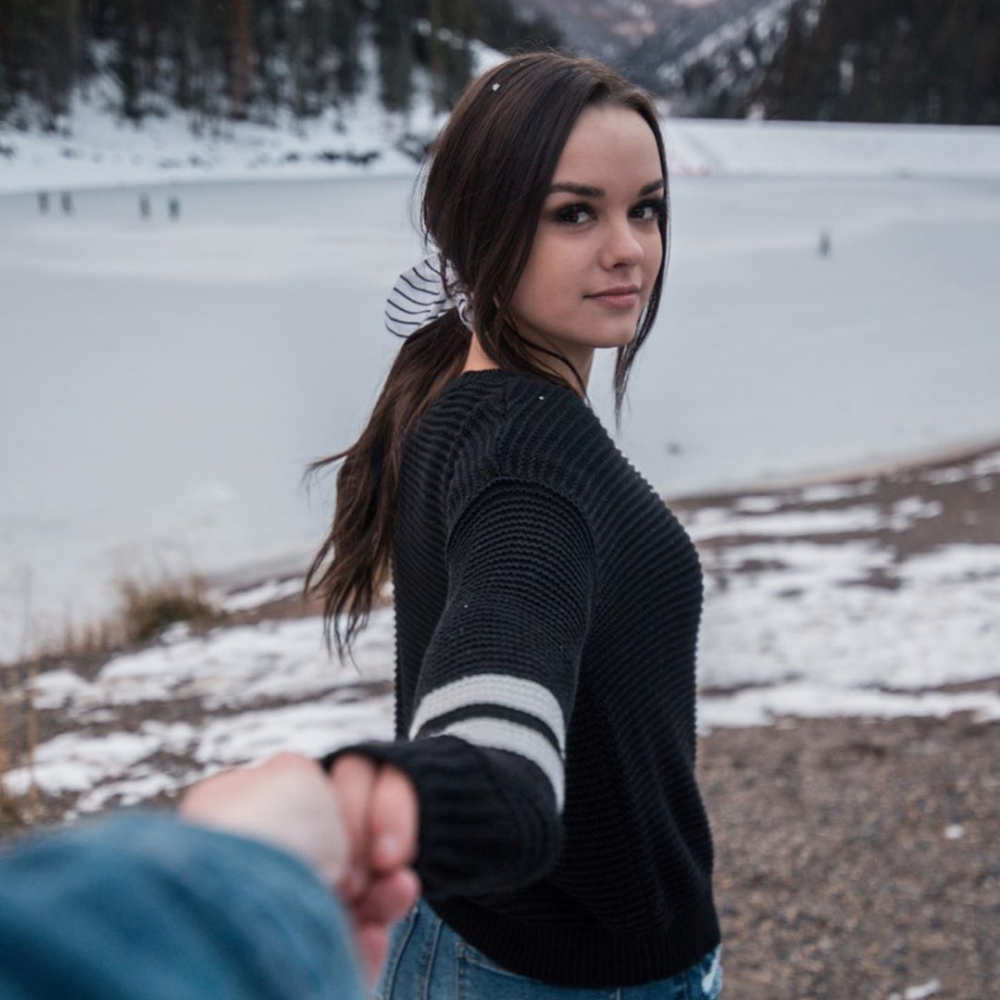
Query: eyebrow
(587,191)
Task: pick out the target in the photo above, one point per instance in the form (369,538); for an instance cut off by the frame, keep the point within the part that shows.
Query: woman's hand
(380,809)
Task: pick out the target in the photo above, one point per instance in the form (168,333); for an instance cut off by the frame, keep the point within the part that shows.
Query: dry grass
(150,606)
(17,742)
(147,605)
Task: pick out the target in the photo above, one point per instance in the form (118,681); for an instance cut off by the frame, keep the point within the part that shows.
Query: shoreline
(277,568)
(240,580)
(243,578)
(963,451)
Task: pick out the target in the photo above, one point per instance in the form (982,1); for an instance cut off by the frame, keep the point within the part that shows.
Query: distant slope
(715,74)
(804,60)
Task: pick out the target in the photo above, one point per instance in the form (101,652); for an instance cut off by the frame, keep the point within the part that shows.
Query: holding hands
(357,828)
(380,811)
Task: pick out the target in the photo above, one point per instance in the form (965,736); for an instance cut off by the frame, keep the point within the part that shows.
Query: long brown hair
(489,172)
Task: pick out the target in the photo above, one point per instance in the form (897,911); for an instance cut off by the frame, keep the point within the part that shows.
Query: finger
(392,820)
(372,944)
(387,898)
(353,778)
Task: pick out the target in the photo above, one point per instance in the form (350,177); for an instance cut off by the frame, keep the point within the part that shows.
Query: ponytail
(357,550)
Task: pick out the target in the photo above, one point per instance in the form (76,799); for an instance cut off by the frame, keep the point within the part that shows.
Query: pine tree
(394,20)
(434,62)
(268,43)
(456,60)
(126,59)
(905,60)
(344,26)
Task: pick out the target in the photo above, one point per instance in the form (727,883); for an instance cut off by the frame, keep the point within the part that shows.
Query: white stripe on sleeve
(500,734)
(518,693)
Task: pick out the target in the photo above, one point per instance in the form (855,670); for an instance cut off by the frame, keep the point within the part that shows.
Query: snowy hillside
(365,140)
(96,148)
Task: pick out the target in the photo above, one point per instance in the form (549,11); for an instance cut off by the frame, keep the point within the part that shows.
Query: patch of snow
(235,666)
(953,564)
(760,706)
(74,762)
(940,626)
(716,522)
(313,728)
(918,992)
(254,597)
(758,504)
(827,492)
(56,688)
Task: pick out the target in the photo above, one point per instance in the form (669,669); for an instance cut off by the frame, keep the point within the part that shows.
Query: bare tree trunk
(239,70)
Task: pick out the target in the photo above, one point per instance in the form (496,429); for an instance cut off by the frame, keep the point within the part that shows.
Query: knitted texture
(547,608)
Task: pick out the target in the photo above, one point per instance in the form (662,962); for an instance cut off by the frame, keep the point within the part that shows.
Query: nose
(620,245)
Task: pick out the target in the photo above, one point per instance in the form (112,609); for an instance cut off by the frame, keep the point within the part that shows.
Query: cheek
(550,283)
(652,255)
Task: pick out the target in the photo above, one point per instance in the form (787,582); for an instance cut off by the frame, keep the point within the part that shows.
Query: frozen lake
(162,385)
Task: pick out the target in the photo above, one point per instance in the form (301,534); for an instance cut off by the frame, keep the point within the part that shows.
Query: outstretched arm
(487,732)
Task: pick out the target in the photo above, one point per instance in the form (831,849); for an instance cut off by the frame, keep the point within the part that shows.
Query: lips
(620,296)
(616,290)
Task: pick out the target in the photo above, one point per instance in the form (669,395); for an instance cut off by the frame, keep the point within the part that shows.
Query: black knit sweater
(547,606)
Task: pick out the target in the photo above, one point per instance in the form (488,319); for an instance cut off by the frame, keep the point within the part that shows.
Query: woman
(547,601)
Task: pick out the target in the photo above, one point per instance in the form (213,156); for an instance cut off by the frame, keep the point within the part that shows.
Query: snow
(738,148)
(253,597)
(920,992)
(236,666)
(72,762)
(103,152)
(805,623)
(904,513)
(99,149)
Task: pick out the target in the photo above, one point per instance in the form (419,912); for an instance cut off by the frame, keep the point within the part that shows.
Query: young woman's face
(599,229)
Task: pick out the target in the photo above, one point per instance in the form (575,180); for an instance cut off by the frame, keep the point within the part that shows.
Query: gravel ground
(857,858)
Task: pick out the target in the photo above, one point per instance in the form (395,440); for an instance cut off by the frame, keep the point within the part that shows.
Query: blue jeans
(427,960)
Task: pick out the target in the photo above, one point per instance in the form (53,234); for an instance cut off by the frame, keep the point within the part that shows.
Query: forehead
(609,147)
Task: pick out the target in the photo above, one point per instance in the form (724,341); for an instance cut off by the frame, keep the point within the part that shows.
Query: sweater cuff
(475,834)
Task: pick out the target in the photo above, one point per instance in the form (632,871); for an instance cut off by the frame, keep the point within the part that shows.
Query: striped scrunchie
(421,295)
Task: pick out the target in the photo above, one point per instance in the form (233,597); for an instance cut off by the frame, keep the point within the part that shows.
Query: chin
(620,338)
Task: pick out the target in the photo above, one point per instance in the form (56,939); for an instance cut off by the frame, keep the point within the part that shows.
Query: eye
(568,213)
(658,206)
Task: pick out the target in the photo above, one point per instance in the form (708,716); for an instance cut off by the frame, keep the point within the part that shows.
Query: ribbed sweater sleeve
(487,735)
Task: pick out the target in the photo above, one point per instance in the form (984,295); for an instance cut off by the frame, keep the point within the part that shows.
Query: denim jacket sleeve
(145,906)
